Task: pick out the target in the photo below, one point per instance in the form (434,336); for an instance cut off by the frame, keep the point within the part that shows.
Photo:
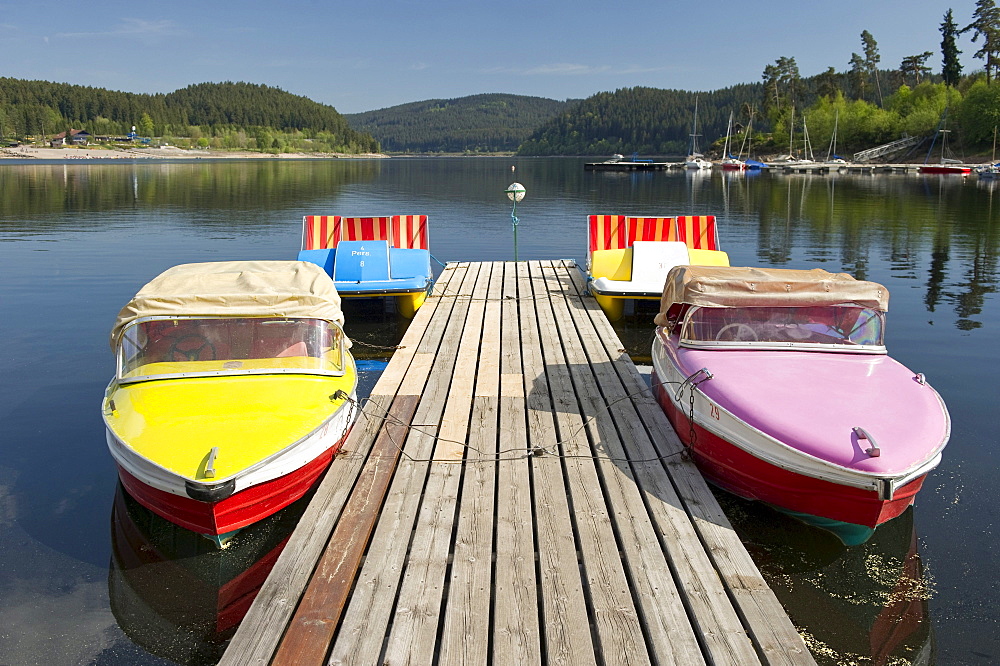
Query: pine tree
(986,24)
(915,65)
(856,76)
(872,59)
(951,69)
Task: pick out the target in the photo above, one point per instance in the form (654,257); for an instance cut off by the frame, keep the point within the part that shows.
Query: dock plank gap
(512,494)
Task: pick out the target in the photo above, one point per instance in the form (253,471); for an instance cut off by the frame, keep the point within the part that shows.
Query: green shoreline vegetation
(863,106)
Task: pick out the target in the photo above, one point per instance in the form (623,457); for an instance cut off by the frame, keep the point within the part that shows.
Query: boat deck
(512,494)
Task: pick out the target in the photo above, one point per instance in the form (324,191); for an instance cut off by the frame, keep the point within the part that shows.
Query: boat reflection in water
(177,595)
(864,604)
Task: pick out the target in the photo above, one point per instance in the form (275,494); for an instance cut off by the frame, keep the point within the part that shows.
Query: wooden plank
(443,338)
(361,635)
(516,622)
(612,608)
(672,638)
(774,636)
(455,419)
(413,635)
(261,629)
(566,625)
(447,293)
(465,637)
(307,638)
(370,611)
(434,307)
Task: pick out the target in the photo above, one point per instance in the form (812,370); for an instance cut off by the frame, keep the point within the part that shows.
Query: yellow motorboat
(233,390)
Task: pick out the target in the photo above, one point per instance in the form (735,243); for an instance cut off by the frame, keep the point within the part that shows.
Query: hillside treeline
(659,122)
(232,115)
(650,121)
(488,123)
(853,109)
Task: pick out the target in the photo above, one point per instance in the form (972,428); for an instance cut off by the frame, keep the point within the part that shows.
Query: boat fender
(210,492)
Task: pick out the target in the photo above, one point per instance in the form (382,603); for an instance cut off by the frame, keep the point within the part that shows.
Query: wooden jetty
(627,165)
(512,494)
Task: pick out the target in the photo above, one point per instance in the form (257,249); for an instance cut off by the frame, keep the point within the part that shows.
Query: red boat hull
(239,509)
(743,474)
(944,168)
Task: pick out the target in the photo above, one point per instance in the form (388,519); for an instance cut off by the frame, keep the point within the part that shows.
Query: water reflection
(75,240)
(174,593)
(50,193)
(865,604)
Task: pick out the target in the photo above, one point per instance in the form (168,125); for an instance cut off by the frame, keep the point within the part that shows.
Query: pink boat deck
(811,401)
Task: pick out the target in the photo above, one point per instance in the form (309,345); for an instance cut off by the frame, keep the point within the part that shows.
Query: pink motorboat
(779,384)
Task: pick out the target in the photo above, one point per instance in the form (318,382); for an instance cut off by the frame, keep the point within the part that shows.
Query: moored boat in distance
(946,165)
(988,170)
(945,168)
(233,390)
(779,383)
(695,160)
(729,162)
(367,257)
(732,164)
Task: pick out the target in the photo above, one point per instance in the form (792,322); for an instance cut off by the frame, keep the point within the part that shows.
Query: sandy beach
(27,153)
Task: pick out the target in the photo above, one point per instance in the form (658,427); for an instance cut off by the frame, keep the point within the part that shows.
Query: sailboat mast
(729,130)
(791,132)
(694,129)
(832,150)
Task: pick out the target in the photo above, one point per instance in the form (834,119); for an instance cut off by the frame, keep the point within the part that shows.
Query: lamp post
(515,192)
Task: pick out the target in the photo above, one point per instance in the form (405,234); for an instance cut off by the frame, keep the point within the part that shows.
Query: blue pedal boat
(369,257)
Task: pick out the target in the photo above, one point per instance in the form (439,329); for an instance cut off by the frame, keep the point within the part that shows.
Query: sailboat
(789,158)
(807,151)
(831,153)
(728,162)
(946,165)
(696,160)
(750,164)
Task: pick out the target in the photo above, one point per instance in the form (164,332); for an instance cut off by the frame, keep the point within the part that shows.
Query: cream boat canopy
(235,288)
(733,287)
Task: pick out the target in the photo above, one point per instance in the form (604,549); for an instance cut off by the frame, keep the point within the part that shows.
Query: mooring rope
(535,451)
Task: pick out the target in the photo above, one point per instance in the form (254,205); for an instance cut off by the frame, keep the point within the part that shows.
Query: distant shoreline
(28,154)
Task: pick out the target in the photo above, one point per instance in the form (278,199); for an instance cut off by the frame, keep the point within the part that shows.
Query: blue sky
(359,56)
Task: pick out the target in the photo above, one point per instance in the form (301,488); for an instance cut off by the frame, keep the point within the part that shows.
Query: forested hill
(249,105)
(205,109)
(649,121)
(477,124)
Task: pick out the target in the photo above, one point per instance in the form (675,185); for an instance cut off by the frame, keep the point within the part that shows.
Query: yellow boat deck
(175,422)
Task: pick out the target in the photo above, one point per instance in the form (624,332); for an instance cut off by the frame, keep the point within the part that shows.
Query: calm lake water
(88,577)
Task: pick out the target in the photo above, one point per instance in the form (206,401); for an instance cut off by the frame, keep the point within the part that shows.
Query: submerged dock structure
(512,494)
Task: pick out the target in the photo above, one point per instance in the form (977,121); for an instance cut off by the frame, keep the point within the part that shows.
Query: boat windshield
(820,328)
(182,347)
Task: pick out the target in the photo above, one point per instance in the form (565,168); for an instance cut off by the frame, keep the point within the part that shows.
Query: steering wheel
(191,347)
(740,331)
